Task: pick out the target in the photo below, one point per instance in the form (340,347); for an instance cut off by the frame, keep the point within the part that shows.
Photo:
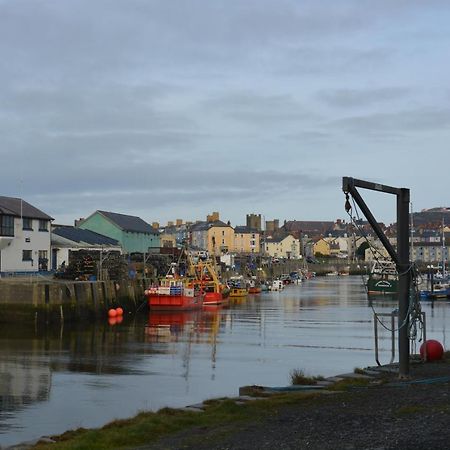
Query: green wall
(130,241)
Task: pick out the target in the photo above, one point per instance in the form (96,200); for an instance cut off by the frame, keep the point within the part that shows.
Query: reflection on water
(85,375)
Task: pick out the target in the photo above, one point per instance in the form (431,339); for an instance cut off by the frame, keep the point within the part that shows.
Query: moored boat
(383,278)
(173,294)
(237,287)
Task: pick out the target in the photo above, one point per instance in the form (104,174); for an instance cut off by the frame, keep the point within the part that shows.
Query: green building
(134,234)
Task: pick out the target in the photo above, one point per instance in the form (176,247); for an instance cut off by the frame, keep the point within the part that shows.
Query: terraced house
(24,237)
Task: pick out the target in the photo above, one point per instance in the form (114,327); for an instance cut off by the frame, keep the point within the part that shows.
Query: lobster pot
(175,290)
(163,290)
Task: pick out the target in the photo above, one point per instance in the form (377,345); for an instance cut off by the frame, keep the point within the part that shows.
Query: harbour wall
(51,301)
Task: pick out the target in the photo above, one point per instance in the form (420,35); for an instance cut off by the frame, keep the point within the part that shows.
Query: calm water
(67,377)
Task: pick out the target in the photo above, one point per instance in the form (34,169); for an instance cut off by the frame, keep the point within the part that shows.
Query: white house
(24,236)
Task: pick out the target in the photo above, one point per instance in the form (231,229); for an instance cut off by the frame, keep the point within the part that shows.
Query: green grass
(147,427)
(298,377)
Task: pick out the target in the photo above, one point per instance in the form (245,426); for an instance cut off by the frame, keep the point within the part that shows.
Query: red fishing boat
(173,294)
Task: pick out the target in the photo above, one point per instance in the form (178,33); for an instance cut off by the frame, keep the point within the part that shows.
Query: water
(52,380)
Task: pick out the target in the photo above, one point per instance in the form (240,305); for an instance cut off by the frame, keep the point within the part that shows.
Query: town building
(24,237)
(246,240)
(68,239)
(213,236)
(282,246)
(134,234)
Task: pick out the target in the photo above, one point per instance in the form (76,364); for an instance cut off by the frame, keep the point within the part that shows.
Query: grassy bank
(226,415)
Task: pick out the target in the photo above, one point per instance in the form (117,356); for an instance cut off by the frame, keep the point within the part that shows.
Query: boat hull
(161,302)
(238,292)
(376,287)
(213,298)
(254,290)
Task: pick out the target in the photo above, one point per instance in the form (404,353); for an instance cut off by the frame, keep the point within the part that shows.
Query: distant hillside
(432,216)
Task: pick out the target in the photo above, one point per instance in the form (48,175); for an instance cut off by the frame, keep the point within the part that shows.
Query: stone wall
(66,301)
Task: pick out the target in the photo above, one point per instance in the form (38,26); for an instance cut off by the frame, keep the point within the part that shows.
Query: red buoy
(119,311)
(434,350)
(119,319)
(112,313)
(112,320)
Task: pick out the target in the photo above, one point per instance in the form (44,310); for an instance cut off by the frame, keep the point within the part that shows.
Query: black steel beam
(374,224)
(348,182)
(401,257)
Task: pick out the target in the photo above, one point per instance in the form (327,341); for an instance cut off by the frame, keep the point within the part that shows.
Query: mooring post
(404,280)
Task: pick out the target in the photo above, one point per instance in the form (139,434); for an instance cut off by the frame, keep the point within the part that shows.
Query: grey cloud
(345,98)
(258,108)
(398,122)
(329,61)
(167,187)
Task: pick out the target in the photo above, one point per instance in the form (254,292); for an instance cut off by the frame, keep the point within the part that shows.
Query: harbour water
(66,377)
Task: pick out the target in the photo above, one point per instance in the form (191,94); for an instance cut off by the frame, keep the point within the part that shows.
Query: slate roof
(129,223)
(219,223)
(200,226)
(242,229)
(20,208)
(79,235)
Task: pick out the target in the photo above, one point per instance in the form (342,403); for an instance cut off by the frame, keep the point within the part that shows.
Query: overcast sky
(174,109)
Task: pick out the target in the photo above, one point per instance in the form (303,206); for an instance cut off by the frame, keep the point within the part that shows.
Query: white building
(24,236)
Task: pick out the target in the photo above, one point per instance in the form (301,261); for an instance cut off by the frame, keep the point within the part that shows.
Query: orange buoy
(112,313)
(119,311)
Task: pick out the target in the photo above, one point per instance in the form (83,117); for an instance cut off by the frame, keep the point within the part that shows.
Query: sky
(168,109)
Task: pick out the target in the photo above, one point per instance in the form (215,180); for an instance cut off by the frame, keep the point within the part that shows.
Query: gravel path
(410,414)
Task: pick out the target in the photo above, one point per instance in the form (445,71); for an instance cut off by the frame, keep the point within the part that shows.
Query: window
(27,223)
(43,225)
(6,225)
(26,255)
(43,260)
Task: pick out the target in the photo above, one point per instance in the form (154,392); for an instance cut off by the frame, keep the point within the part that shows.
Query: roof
(20,208)
(244,229)
(219,223)
(308,226)
(200,226)
(80,235)
(129,223)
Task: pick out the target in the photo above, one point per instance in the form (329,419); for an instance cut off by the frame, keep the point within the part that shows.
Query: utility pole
(400,257)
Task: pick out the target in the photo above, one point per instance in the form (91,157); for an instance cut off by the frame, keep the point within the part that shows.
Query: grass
(298,377)
(148,427)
